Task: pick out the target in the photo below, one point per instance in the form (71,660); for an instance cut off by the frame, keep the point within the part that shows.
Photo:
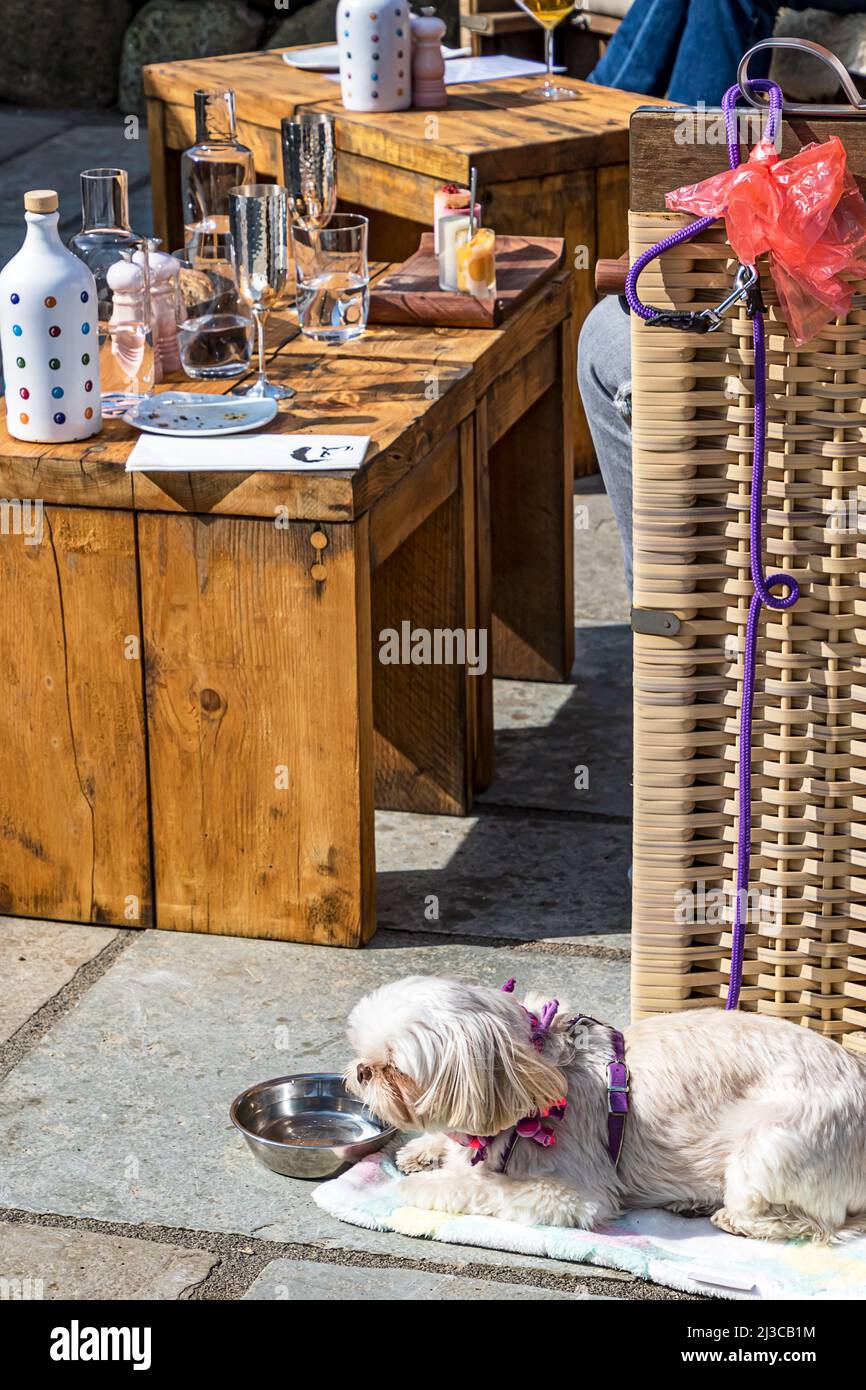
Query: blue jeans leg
(604,381)
(685,49)
(724,29)
(642,52)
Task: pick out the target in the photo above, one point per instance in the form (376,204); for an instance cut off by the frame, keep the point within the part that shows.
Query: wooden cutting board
(410,294)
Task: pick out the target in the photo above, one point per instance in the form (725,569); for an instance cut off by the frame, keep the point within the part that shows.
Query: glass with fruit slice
(476,264)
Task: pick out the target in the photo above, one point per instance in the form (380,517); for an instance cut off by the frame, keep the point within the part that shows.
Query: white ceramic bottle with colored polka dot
(375,41)
(48,334)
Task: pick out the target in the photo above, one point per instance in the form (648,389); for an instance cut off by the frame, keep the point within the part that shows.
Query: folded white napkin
(254,453)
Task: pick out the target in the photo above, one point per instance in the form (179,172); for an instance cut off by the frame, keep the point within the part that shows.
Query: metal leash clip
(746,286)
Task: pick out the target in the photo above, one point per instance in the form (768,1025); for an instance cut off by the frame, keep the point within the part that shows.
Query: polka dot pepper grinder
(48,334)
(375,42)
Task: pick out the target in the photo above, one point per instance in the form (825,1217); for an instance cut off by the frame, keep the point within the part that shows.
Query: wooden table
(194,721)
(559,169)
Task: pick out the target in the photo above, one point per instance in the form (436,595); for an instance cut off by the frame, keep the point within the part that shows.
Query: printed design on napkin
(253,453)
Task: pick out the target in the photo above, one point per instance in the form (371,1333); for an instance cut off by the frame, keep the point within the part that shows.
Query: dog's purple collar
(532,1127)
(617,1087)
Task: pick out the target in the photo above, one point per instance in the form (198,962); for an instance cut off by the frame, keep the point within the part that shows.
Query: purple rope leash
(762,597)
(646,311)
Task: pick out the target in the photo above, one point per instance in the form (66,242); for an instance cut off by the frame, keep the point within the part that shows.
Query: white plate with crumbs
(199,416)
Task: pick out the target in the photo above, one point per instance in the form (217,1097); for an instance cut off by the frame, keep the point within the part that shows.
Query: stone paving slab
(120,1113)
(63,1264)
(48,149)
(531,879)
(569,747)
(600,593)
(36,960)
(299,1280)
(57,163)
(24,127)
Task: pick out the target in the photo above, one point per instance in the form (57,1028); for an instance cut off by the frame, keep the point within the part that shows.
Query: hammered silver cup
(309,166)
(259,224)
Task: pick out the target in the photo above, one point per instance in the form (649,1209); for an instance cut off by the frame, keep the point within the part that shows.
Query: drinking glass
(548,14)
(258,221)
(332,278)
(309,166)
(214,325)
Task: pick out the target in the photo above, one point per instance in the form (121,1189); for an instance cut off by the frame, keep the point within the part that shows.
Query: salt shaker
(428,64)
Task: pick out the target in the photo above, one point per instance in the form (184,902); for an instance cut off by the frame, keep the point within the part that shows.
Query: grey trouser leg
(604,380)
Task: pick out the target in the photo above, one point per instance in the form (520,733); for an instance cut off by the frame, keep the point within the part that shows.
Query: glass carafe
(105,231)
(118,261)
(216,163)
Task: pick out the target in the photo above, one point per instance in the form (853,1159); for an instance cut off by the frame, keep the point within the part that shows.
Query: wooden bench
(194,721)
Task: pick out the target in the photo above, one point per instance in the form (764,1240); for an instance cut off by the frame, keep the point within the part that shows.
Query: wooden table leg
(164,180)
(532,533)
(424,607)
(73,794)
(558,205)
(484,742)
(260,726)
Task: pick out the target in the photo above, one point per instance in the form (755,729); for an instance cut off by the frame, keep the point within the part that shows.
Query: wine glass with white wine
(548,13)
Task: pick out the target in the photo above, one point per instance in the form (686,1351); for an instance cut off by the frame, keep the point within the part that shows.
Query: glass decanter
(216,163)
(111,249)
(105,231)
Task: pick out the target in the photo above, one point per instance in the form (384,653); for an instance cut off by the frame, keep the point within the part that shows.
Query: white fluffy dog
(759,1122)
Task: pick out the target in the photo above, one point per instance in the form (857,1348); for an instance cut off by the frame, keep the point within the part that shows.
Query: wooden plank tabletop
(489,125)
(406,387)
(488,351)
(390,401)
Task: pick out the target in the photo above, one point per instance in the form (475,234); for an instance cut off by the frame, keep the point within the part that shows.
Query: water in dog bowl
(326,1127)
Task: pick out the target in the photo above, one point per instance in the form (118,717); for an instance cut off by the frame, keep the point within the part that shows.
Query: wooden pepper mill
(428,64)
(128,365)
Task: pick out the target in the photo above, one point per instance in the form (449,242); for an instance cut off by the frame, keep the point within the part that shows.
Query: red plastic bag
(806,213)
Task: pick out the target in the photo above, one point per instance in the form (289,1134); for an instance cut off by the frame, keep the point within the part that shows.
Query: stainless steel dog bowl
(307,1126)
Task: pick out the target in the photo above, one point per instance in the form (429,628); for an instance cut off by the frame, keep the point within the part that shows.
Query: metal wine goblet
(258,218)
(309,162)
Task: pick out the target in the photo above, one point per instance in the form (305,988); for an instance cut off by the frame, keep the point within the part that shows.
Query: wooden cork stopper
(41,200)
